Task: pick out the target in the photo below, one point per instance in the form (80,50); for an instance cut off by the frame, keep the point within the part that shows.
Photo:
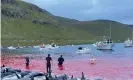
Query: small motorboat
(82,50)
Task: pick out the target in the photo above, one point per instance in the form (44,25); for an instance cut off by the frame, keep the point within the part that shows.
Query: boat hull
(82,52)
(87,51)
(128,45)
(105,47)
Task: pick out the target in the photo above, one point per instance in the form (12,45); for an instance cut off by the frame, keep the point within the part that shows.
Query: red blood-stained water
(108,68)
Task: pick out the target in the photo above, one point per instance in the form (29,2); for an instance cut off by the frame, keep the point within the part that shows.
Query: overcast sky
(117,10)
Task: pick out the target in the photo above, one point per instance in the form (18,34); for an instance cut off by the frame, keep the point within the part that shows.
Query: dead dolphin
(98,79)
(61,77)
(12,76)
(8,69)
(33,75)
(25,73)
(5,71)
(73,78)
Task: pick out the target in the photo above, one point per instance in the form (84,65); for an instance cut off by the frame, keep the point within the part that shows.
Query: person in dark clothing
(60,60)
(48,63)
(27,61)
(3,65)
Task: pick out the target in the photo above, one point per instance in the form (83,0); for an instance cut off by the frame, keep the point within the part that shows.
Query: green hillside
(26,24)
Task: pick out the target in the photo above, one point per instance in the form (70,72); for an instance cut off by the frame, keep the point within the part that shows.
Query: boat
(83,50)
(72,45)
(49,47)
(11,47)
(36,46)
(19,47)
(106,43)
(129,42)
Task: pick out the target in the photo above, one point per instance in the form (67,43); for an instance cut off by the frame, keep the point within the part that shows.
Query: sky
(86,10)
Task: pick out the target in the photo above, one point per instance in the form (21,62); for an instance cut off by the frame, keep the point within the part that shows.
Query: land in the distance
(27,24)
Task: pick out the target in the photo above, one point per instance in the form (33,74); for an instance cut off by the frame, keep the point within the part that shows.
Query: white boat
(19,47)
(49,47)
(83,50)
(36,46)
(105,44)
(11,47)
(128,43)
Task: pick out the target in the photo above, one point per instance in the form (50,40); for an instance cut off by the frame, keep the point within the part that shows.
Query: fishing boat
(106,43)
(83,50)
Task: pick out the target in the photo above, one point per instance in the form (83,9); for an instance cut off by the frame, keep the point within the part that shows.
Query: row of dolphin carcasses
(8,73)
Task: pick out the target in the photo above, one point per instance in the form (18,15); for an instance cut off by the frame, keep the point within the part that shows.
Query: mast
(110,30)
(132,33)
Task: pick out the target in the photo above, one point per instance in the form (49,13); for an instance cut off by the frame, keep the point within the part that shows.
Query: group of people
(48,62)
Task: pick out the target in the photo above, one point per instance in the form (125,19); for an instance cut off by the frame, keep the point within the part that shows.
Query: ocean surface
(119,51)
(110,65)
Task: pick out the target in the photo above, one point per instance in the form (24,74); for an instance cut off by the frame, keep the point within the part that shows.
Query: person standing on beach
(60,62)
(48,63)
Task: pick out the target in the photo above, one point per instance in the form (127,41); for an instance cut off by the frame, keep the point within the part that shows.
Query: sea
(116,64)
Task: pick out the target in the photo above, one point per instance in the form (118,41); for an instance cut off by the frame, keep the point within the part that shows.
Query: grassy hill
(27,24)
